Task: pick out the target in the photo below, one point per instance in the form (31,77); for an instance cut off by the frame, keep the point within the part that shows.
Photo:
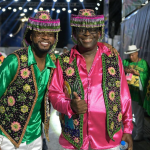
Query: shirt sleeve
(126,105)
(8,70)
(144,75)
(56,95)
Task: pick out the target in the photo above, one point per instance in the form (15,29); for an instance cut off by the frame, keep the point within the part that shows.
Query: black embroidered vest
(72,129)
(19,100)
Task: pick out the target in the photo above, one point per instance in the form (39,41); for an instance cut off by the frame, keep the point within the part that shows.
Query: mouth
(45,44)
(87,40)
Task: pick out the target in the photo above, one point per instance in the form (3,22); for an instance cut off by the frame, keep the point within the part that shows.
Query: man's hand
(127,70)
(77,105)
(128,138)
(112,49)
(135,72)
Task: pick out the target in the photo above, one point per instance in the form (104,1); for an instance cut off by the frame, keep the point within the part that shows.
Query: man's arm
(56,94)
(126,108)
(58,98)
(7,72)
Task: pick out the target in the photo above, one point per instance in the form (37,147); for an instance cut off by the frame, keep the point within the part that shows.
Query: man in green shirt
(137,73)
(25,76)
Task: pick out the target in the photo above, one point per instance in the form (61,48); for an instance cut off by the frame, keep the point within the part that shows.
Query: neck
(40,59)
(87,52)
(137,59)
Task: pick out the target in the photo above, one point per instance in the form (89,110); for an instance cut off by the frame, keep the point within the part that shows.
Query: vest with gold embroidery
(72,129)
(19,100)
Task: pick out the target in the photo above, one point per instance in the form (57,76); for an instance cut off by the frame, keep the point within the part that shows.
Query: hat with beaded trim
(87,18)
(42,22)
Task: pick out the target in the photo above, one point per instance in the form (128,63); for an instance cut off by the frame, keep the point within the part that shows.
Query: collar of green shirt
(31,60)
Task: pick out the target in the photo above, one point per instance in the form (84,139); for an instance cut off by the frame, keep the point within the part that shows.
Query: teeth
(44,43)
(87,40)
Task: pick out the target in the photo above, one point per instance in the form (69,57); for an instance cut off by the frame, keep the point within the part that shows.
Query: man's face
(87,37)
(42,41)
(134,57)
(65,50)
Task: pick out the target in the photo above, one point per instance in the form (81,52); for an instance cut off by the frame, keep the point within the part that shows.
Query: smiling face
(87,37)
(42,41)
(134,57)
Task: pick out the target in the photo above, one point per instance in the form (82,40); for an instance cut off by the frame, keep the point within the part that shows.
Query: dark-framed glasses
(84,30)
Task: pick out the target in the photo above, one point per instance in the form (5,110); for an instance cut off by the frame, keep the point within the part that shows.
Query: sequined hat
(87,18)
(42,22)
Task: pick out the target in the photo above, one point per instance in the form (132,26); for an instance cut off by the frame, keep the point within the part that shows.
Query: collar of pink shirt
(101,49)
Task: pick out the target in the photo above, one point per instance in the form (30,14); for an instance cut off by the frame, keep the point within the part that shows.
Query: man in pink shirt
(90,91)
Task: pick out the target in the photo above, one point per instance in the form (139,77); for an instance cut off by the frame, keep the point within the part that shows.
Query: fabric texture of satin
(94,124)
(7,73)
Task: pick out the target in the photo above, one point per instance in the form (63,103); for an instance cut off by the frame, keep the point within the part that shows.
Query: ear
(99,33)
(31,37)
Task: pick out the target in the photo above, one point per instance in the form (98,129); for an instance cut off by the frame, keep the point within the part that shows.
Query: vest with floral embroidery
(72,129)
(19,100)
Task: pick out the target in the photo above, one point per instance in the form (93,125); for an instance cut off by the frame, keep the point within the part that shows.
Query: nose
(45,35)
(87,32)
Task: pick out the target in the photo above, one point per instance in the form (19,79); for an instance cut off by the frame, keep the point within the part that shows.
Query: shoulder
(10,60)
(143,62)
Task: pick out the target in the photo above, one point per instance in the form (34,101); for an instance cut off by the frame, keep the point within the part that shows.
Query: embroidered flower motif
(25,73)
(30,80)
(115,108)
(27,88)
(66,59)
(24,108)
(112,95)
(120,117)
(69,71)
(67,89)
(108,61)
(21,97)
(112,126)
(111,71)
(30,97)
(76,140)
(86,13)
(2,109)
(44,16)
(3,122)
(17,138)
(117,83)
(11,100)
(15,126)
(24,58)
(76,122)
(53,57)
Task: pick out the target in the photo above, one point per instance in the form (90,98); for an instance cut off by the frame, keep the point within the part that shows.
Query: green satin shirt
(7,73)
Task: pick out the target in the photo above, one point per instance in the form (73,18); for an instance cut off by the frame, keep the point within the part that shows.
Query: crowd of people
(88,85)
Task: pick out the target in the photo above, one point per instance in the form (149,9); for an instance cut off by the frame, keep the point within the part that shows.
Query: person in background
(65,49)
(90,91)
(137,74)
(2,57)
(25,76)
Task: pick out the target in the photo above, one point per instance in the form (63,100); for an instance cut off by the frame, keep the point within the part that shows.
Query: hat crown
(43,15)
(86,12)
(132,47)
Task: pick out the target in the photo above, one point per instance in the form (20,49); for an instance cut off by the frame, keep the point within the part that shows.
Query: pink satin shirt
(94,124)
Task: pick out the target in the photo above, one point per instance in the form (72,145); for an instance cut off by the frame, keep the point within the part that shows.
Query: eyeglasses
(42,34)
(84,30)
